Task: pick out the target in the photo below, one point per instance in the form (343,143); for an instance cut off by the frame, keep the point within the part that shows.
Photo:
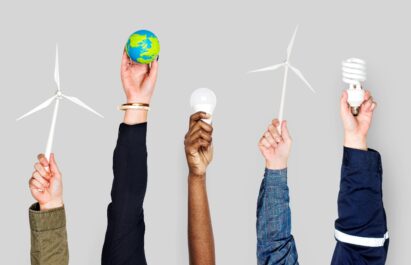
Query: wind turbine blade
(43,105)
(82,104)
(300,75)
(269,68)
(56,69)
(290,46)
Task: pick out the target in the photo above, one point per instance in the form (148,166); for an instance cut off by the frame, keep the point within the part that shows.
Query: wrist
(138,99)
(198,177)
(276,165)
(355,141)
(51,205)
(135,116)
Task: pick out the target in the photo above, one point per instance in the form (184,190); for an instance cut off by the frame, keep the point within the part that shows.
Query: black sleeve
(124,241)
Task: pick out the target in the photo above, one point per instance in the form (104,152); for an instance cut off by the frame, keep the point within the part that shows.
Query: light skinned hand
(46,184)
(138,80)
(198,144)
(356,127)
(276,147)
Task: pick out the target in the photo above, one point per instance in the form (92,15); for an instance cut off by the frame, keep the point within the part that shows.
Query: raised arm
(199,153)
(124,240)
(361,229)
(275,244)
(47,216)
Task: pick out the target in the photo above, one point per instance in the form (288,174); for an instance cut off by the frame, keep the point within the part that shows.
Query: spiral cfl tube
(354,73)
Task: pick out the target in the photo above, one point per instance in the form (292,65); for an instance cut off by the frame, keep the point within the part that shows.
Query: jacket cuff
(132,134)
(365,160)
(46,220)
(275,177)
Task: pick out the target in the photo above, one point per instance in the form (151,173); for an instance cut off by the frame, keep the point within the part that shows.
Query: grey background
(212,44)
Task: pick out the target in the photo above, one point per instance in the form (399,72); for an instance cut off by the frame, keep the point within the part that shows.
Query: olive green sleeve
(48,236)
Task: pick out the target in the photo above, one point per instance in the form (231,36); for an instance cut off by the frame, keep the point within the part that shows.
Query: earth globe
(143,47)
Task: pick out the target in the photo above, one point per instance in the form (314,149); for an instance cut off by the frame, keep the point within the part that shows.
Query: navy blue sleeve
(275,244)
(361,227)
(124,241)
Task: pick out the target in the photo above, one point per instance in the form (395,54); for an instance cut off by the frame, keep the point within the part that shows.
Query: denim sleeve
(275,244)
(360,209)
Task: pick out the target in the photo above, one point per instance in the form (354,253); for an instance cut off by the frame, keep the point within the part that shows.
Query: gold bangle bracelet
(135,106)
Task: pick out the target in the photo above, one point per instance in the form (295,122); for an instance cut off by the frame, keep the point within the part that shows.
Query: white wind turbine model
(286,64)
(56,98)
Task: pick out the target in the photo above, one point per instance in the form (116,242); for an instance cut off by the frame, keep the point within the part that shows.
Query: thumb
(53,167)
(153,71)
(125,60)
(345,109)
(284,132)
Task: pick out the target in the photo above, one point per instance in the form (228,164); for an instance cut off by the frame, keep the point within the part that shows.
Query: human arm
(361,229)
(275,244)
(47,217)
(199,153)
(124,239)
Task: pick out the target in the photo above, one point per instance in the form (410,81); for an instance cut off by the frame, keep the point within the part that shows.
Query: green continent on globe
(143,47)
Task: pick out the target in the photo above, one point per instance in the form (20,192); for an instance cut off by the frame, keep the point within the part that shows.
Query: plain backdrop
(203,44)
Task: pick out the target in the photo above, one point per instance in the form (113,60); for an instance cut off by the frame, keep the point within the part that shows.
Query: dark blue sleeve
(124,241)
(275,244)
(361,215)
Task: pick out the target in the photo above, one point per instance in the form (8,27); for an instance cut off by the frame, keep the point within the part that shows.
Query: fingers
(125,61)
(285,133)
(275,123)
(42,171)
(270,139)
(369,104)
(367,95)
(200,143)
(366,105)
(203,135)
(373,106)
(153,71)
(43,160)
(53,166)
(264,143)
(194,118)
(272,129)
(344,103)
(36,175)
(200,125)
(199,134)
(35,185)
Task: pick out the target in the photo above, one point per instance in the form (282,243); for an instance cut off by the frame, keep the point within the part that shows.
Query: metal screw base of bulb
(355,110)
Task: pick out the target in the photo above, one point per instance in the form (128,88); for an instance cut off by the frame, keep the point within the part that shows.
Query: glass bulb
(203,99)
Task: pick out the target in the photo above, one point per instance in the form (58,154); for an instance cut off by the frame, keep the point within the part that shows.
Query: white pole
(281,113)
(52,129)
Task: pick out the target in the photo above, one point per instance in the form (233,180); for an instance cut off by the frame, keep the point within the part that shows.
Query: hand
(276,147)
(198,144)
(138,80)
(356,127)
(46,185)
